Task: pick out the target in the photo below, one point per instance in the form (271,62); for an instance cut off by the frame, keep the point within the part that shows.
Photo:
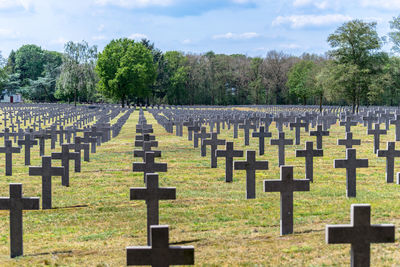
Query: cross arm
(138,255)
(261,165)
(382,233)
(181,255)
(240,165)
(339,234)
(5,203)
(340,163)
(221,153)
(161,167)
(30,203)
(167,193)
(138,193)
(138,167)
(35,171)
(273,186)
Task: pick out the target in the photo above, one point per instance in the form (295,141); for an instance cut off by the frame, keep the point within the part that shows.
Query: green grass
(94,220)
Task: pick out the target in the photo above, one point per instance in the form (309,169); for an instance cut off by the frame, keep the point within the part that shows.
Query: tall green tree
(177,73)
(300,80)
(29,62)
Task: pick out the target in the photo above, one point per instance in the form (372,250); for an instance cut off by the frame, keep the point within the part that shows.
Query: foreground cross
(286,186)
(15,204)
(390,153)
(250,166)
(160,254)
(351,164)
(152,194)
(229,153)
(360,234)
(309,153)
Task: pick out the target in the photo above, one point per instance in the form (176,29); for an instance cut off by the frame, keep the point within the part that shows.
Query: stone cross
(80,145)
(351,164)
(214,142)
(309,153)
(152,194)
(146,148)
(297,125)
(27,143)
(319,133)
(15,204)
(390,153)
(149,166)
(281,142)
(348,123)
(42,136)
(360,233)
(46,171)
(369,120)
(349,142)
(9,150)
(377,133)
(279,120)
(160,253)
(286,186)
(262,134)
(396,122)
(90,140)
(65,156)
(201,135)
(250,166)
(229,153)
(246,126)
(236,121)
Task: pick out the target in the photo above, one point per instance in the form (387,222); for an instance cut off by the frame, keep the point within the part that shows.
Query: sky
(250,27)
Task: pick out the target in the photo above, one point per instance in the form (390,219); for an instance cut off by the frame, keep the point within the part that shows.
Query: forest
(355,71)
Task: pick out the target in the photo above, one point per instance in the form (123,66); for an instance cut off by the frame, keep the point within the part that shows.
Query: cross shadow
(309,231)
(50,253)
(185,242)
(71,207)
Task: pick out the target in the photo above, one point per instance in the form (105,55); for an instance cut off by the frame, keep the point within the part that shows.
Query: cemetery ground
(93,220)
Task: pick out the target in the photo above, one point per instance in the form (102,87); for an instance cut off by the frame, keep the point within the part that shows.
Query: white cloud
(299,21)
(236,36)
(290,46)
(98,37)
(138,36)
(134,3)
(386,4)
(320,4)
(5,4)
(187,41)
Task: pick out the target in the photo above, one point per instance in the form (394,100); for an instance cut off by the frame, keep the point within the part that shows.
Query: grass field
(93,220)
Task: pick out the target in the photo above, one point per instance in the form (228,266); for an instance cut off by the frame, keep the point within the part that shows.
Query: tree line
(356,71)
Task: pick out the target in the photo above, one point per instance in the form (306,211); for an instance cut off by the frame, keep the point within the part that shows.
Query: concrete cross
(309,153)
(281,142)
(152,193)
(236,121)
(351,163)
(65,156)
(262,134)
(246,126)
(229,153)
(360,233)
(214,142)
(42,136)
(348,123)
(9,150)
(286,186)
(15,204)
(319,133)
(390,153)
(27,143)
(202,135)
(80,145)
(377,133)
(297,125)
(349,142)
(146,148)
(47,172)
(369,119)
(250,166)
(280,120)
(160,254)
(149,166)
(396,122)
(90,140)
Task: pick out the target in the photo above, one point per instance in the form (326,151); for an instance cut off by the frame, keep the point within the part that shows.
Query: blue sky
(251,27)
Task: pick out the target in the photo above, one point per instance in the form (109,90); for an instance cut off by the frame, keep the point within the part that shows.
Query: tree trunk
(75,93)
(320,104)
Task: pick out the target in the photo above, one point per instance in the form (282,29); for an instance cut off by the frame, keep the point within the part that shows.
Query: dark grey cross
(279,121)
(390,153)
(370,119)
(27,143)
(202,135)
(152,143)
(61,132)
(236,121)
(145,137)
(149,166)
(286,186)
(348,123)
(349,142)
(160,254)
(15,204)
(65,156)
(214,142)
(80,145)
(146,148)
(250,166)
(53,135)
(396,122)
(262,134)
(46,171)
(6,134)
(351,164)
(297,125)
(246,126)
(319,133)
(9,150)
(377,133)
(360,233)
(229,153)
(281,142)
(152,193)
(309,153)
(42,136)
(90,140)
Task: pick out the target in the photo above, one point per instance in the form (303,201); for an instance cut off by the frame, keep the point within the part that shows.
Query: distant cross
(396,122)
(27,143)
(369,119)
(160,253)
(349,142)
(90,140)
(286,186)
(229,153)
(246,126)
(214,142)
(149,166)
(146,148)
(65,156)
(202,135)
(351,164)
(297,125)
(152,194)
(377,133)
(319,133)
(250,166)
(360,233)
(9,150)
(348,123)
(390,153)
(309,153)
(281,142)
(236,121)
(262,134)
(15,204)
(280,120)
(79,145)
(42,136)
(46,171)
